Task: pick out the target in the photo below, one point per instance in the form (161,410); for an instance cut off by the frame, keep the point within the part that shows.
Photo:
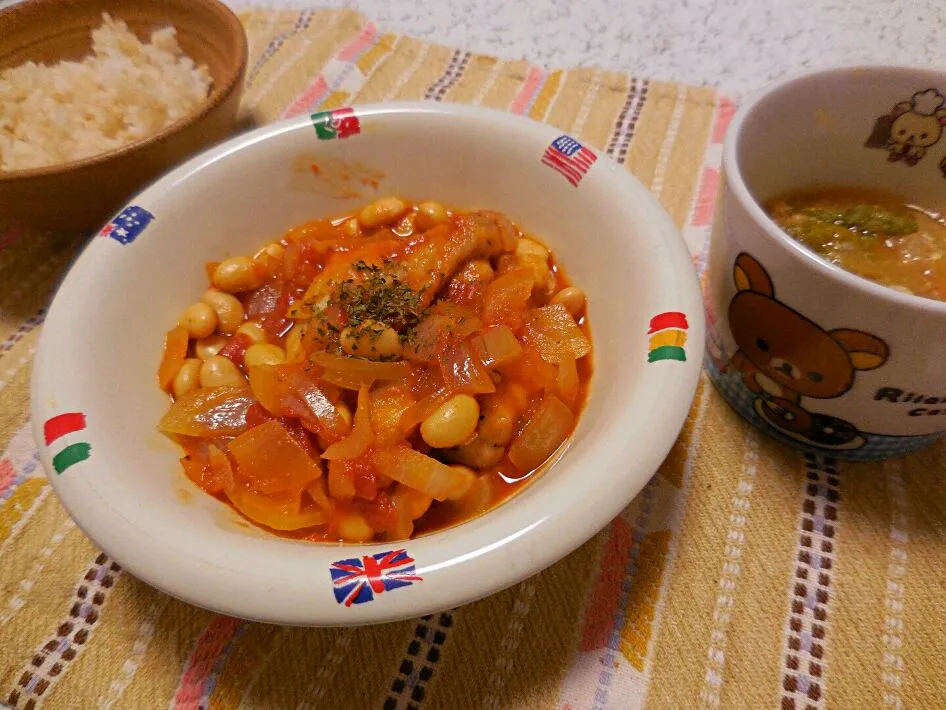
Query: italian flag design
(667,337)
(63,438)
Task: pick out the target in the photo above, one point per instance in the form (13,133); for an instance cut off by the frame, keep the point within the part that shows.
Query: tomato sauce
(378,376)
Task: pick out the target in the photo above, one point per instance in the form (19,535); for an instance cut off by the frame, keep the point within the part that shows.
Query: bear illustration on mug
(785,358)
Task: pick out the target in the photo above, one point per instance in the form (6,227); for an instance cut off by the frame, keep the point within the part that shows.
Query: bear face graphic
(794,352)
(784,356)
(911,127)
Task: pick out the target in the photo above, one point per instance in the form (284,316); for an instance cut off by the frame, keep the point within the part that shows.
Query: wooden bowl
(81,195)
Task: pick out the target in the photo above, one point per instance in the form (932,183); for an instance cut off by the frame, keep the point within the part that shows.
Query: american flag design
(569,158)
(357,581)
(129,223)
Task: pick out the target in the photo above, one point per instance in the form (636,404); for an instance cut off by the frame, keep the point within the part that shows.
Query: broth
(875,235)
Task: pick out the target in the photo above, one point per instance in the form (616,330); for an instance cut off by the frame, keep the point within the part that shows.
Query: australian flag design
(129,223)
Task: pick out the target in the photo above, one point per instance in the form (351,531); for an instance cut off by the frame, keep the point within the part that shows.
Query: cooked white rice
(124,91)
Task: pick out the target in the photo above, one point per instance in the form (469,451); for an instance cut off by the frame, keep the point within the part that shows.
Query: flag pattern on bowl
(569,158)
(340,123)
(667,337)
(63,431)
(357,581)
(128,224)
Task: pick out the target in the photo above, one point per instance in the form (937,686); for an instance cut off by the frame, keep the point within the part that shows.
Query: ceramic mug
(815,356)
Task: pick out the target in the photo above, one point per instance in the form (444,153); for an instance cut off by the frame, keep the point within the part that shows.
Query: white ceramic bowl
(102,341)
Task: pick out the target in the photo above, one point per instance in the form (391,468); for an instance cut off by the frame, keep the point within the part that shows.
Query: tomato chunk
(175,351)
(271,461)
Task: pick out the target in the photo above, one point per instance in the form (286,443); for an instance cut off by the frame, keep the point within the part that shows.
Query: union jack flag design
(129,223)
(569,158)
(357,581)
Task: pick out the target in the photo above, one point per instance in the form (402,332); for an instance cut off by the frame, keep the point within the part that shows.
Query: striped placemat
(745,575)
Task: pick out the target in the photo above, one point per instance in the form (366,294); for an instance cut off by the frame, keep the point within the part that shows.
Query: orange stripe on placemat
(7,475)
(636,574)
(54,656)
(523,101)
(696,231)
(322,85)
(725,109)
(206,659)
(354,49)
(705,198)
(606,594)
(18,461)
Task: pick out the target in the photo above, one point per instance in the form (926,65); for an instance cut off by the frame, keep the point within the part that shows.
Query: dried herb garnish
(381,296)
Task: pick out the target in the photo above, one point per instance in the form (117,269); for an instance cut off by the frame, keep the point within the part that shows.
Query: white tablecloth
(739,45)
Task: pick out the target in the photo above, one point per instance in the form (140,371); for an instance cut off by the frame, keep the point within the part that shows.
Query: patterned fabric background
(744,576)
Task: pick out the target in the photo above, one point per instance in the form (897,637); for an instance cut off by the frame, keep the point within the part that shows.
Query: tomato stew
(378,376)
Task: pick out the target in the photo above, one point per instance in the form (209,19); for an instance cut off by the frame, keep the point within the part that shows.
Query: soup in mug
(879,236)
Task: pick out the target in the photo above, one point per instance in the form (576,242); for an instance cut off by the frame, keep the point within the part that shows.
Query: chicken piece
(424,266)
(444,249)
(340,267)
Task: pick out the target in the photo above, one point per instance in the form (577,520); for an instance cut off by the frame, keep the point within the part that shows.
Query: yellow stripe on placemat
(281,667)
(15,372)
(504,86)
(376,59)
(654,120)
(30,269)
(739,636)
(924,621)
(681,153)
(161,663)
(609,97)
(299,63)
(23,502)
(397,67)
(855,651)
(577,86)
(47,604)
(547,95)
(530,631)
(674,465)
